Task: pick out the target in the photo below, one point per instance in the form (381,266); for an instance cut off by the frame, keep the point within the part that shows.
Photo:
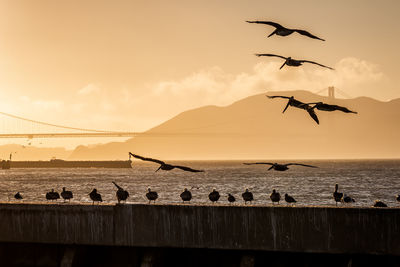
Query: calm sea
(364,180)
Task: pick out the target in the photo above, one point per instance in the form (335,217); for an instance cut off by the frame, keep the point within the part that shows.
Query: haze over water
(364,180)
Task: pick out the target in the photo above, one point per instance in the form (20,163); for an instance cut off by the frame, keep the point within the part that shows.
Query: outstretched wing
(305,165)
(274,24)
(147,159)
(306,33)
(187,169)
(269,55)
(343,109)
(312,62)
(265,163)
(313,115)
(275,96)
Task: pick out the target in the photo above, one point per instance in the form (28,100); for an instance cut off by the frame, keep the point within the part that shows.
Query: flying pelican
(66,195)
(379,204)
(121,193)
(337,195)
(231,198)
(186,195)
(282,31)
(280,167)
(164,166)
(275,196)
(297,104)
(328,107)
(151,195)
(214,196)
(292,62)
(247,196)
(94,196)
(18,196)
(289,199)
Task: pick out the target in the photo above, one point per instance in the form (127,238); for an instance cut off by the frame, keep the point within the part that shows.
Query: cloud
(89,89)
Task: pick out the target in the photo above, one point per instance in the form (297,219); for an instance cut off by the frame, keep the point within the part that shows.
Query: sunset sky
(129,65)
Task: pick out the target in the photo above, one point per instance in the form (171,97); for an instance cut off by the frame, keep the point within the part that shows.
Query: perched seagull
(275,196)
(231,198)
(289,199)
(297,104)
(292,62)
(164,166)
(66,195)
(121,193)
(379,204)
(337,195)
(186,195)
(328,107)
(282,31)
(280,167)
(214,196)
(94,196)
(151,195)
(247,196)
(18,196)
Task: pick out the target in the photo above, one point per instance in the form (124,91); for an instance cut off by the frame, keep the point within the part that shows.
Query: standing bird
(164,166)
(289,199)
(121,193)
(151,195)
(337,195)
(293,62)
(214,196)
(231,198)
(282,31)
(327,107)
(275,196)
(18,196)
(280,167)
(52,195)
(94,196)
(66,195)
(379,204)
(398,198)
(298,104)
(247,196)
(347,199)
(186,195)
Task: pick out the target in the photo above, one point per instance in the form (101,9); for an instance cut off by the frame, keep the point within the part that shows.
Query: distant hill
(255,128)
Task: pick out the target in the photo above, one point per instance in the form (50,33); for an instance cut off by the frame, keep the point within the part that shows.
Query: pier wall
(250,228)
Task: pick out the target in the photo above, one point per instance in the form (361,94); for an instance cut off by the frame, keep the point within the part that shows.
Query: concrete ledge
(285,229)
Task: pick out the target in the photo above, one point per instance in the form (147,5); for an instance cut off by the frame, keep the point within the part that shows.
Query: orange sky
(129,65)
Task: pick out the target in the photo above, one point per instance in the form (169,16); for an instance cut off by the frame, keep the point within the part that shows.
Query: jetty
(160,235)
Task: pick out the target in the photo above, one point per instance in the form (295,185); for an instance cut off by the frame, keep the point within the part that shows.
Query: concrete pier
(326,230)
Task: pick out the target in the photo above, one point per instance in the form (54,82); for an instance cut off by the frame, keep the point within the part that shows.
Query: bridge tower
(331,92)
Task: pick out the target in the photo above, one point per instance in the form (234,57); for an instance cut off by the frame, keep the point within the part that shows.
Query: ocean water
(364,180)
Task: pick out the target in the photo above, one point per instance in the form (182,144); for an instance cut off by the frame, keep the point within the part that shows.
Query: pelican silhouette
(247,196)
(280,167)
(121,193)
(337,195)
(289,199)
(151,195)
(186,195)
(94,196)
(275,196)
(292,62)
(297,104)
(52,195)
(18,196)
(164,166)
(283,31)
(67,195)
(231,198)
(214,196)
(379,204)
(347,199)
(327,107)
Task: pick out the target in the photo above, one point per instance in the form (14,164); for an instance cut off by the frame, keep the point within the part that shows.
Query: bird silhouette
(289,199)
(280,167)
(94,196)
(283,31)
(379,204)
(164,166)
(151,195)
(52,195)
(214,196)
(18,196)
(327,107)
(247,196)
(398,198)
(292,62)
(275,196)
(297,104)
(347,199)
(337,196)
(66,195)
(231,198)
(121,193)
(186,195)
